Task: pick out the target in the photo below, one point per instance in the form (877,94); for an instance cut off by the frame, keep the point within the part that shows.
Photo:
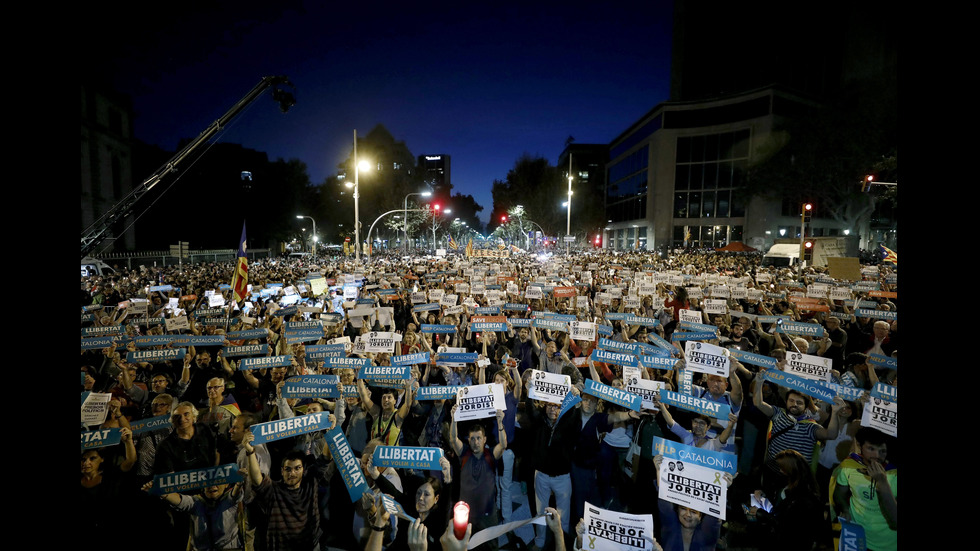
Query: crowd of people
(801,462)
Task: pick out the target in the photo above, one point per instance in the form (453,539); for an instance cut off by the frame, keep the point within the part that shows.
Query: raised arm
(454,440)
(765,408)
(502,443)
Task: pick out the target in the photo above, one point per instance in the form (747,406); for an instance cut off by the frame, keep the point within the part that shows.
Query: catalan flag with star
(888,255)
(239,281)
(452,243)
(469,248)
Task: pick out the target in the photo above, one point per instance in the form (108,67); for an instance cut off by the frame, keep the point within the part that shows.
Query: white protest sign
(533,292)
(548,387)
(350,292)
(448,300)
(882,415)
(379,341)
(715,306)
(176,324)
(479,401)
(582,330)
(706,358)
(691,315)
(840,293)
(436,294)
(687,483)
(95,408)
(645,388)
(615,531)
(216,300)
(816,368)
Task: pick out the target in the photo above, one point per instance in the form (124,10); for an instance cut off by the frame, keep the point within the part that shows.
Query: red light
(503,218)
(808,206)
(436,207)
(808,244)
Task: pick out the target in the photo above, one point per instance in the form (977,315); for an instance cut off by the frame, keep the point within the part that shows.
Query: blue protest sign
(697,405)
(456,357)
(353,362)
(381,372)
(613,394)
(265,362)
(101,438)
(245,350)
(407,457)
(311,386)
(617,358)
(156,355)
(172,483)
(810,387)
(411,359)
(151,424)
(323,351)
(286,428)
(752,358)
(720,461)
(347,463)
(438,328)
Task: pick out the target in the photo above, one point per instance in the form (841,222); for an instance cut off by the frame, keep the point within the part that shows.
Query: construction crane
(101,228)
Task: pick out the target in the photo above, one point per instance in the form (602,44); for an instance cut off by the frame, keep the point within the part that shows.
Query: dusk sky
(483,84)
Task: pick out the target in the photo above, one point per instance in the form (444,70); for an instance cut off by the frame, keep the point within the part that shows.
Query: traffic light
(807,211)
(866,184)
(503,219)
(808,252)
(598,241)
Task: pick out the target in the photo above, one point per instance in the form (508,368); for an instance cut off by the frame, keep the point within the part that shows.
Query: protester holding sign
(387,421)
(214,516)
(478,470)
(683,528)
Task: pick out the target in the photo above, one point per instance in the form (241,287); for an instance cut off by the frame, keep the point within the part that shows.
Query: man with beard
(791,429)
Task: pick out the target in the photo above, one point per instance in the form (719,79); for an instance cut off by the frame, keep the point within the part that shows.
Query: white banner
(706,358)
(881,415)
(715,306)
(693,486)
(615,531)
(479,401)
(582,330)
(548,387)
(95,408)
(810,367)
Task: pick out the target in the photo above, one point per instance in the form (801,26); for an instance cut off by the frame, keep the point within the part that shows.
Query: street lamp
(300,216)
(568,225)
(358,166)
(423,194)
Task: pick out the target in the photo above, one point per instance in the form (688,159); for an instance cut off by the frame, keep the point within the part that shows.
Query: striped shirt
(790,434)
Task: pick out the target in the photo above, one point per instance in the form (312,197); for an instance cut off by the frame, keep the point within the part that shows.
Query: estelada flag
(469,248)
(888,255)
(239,281)
(452,243)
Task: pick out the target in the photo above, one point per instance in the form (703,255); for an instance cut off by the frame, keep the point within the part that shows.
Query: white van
(94,266)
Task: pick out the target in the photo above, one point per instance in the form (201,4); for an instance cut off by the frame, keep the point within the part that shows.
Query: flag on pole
(239,281)
(469,248)
(501,246)
(888,255)
(452,243)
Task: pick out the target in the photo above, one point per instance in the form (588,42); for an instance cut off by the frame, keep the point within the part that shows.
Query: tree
(823,155)
(537,186)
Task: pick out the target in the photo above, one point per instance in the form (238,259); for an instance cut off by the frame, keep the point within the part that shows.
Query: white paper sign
(479,401)
(881,415)
(816,368)
(707,358)
(216,300)
(715,306)
(615,531)
(693,486)
(95,408)
(691,315)
(582,330)
(176,324)
(533,292)
(548,387)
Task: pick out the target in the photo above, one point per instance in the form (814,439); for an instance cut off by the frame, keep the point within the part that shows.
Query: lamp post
(300,216)
(405,209)
(568,225)
(358,166)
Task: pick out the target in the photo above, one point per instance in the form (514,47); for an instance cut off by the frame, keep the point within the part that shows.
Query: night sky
(482,84)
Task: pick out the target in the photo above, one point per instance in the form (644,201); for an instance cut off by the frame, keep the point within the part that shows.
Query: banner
(286,428)
(614,395)
(810,367)
(697,405)
(95,343)
(567,403)
(264,362)
(548,387)
(411,359)
(407,457)
(347,463)
(881,415)
(886,392)
(794,328)
(174,483)
(851,536)
(554,325)
(150,424)
(706,358)
(876,314)
(437,392)
(479,401)
(311,386)
(352,363)
(433,328)
(693,336)
(692,477)
(692,326)
(752,358)
(488,326)
(426,307)
(378,341)
(659,362)
(324,351)
(101,438)
(878,360)
(617,358)
(519,322)
(810,387)
(245,350)
(691,315)
(615,531)
(617,346)
(247,334)
(456,357)
(381,372)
